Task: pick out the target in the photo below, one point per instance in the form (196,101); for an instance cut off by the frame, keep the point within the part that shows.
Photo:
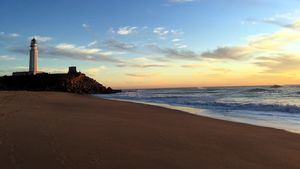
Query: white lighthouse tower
(33,61)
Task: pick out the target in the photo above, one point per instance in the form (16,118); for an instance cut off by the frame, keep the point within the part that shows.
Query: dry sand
(48,130)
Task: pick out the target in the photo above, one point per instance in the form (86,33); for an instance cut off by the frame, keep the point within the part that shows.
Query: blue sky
(143,42)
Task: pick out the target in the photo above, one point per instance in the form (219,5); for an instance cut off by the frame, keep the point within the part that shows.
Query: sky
(157,43)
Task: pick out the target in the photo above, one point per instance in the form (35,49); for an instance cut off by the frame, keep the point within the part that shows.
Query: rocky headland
(69,82)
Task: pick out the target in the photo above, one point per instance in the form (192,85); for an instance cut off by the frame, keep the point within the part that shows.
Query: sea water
(263,106)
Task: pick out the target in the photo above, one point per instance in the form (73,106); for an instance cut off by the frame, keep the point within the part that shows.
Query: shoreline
(210,114)
(62,130)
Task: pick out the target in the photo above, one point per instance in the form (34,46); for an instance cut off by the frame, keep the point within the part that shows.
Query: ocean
(262,106)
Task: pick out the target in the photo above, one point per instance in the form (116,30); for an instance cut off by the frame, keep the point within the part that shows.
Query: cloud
(249,21)
(86,27)
(22,49)
(141,65)
(233,53)
(148,65)
(14,35)
(177,33)
(176,40)
(52,69)
(10,36)
(141,62)
(127,30)
(276,40)
(92,43)
(161,32)
(174,53)
(40,39)
(180,46)
(119,45)
(81,52)
(6,58)
(285,20)
(95,70)
(259,45)
(181,54)
(75,49)
(70,51)
(276,52)
(192,66)
(140,75)
(21,68)
(271,21)
(279,63)
(111,31)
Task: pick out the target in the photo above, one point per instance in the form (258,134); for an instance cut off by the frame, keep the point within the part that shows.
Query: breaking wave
(250,107)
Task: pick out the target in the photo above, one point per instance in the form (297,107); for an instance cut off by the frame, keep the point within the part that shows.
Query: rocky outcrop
(276,86)
(73,83)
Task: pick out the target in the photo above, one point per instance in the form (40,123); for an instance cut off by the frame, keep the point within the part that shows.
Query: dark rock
(276,86)
(73,83)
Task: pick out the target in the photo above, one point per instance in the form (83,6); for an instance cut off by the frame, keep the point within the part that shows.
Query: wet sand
(49,130)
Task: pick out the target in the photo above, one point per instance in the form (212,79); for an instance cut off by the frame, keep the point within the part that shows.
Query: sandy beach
(49,130)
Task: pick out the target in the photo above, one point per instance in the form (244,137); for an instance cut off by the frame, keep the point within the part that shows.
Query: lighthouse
(33,61)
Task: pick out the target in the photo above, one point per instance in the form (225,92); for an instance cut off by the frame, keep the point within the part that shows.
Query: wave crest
(251,107)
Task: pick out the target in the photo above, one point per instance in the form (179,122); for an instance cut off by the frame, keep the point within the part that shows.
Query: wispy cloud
(271,21)
(86,27)
(81,52)
(52,69)
(277,63)
(176,40)
(275,44)
(119,45)
(192,65)
(141,62)
(6,58)
(93,43)
(164,33)
(177,33)
(276,40)
(95,70)
(141,75)
(40,38)
(8,36)
(161,32)
(285,20)
(127,30)
(70,51)
(14,35)
(174,53)
(233,53)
